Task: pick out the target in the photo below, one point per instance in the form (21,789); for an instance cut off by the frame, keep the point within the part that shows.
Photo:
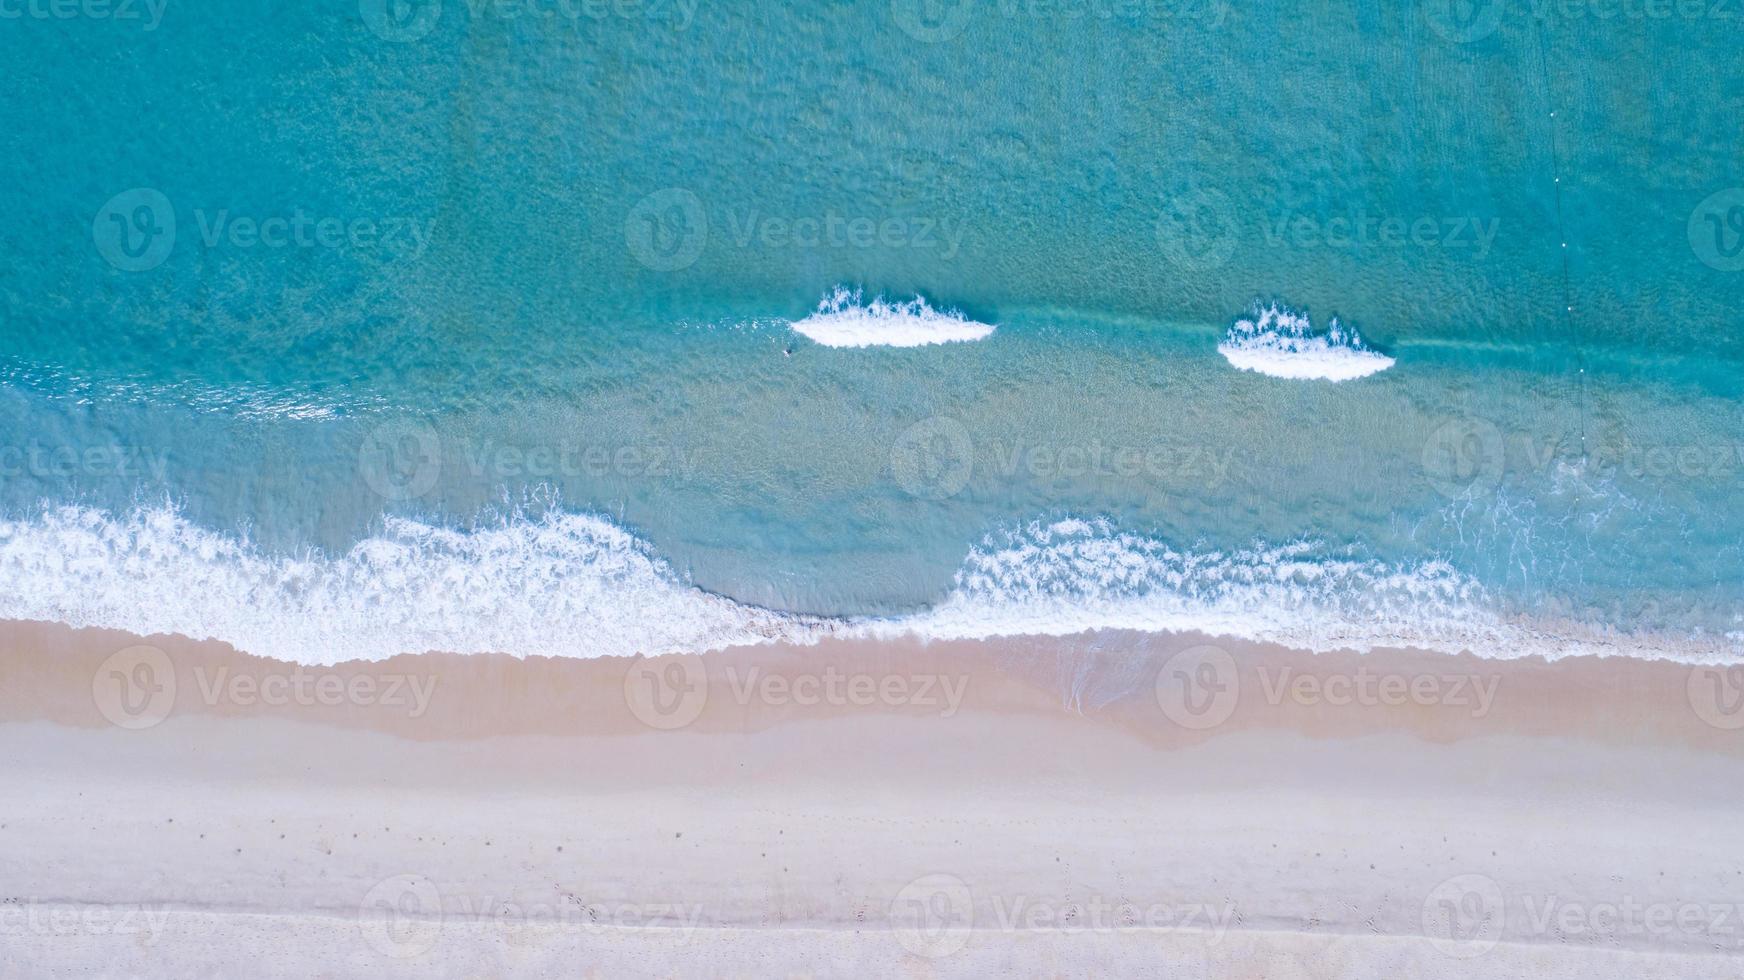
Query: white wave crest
(564,585)
(579,586)
(843,320)
(1074,575)
(1283,344)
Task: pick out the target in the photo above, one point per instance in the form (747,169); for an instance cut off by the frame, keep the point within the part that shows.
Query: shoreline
(976,808)
(1107,678)
(535,582)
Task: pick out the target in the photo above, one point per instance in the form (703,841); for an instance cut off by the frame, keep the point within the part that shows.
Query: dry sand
(1012,808)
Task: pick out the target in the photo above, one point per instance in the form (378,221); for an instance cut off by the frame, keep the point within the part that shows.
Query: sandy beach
(880,488)
(1103,805)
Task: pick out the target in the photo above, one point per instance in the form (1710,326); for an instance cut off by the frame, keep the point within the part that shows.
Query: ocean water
(340,329)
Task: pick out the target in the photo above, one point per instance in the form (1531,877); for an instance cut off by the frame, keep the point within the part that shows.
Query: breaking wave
(843,319)
(1283,344)
(578,585)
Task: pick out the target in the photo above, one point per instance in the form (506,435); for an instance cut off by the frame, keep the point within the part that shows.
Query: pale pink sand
(1014,808)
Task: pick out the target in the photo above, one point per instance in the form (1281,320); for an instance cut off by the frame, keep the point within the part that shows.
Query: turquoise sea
(338,329)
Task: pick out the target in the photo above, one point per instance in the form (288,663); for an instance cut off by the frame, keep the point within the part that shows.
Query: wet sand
(1087,806)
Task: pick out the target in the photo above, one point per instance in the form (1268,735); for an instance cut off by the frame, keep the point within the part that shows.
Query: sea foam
(561,585)
(843,319)
(578,585)
(1282,343)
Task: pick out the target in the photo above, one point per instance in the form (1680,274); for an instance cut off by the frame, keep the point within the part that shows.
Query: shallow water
(475,330)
